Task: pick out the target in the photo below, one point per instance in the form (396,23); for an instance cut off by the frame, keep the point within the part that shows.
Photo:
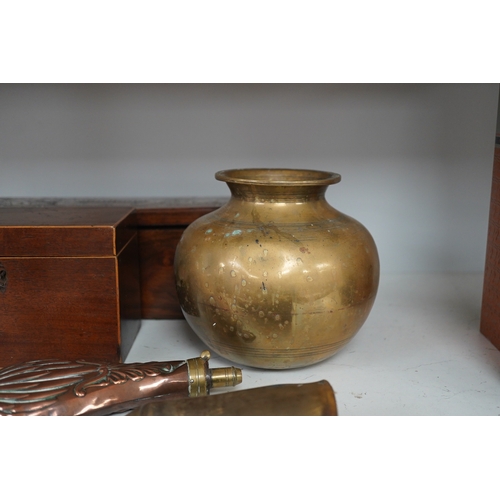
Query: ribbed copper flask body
(276,278)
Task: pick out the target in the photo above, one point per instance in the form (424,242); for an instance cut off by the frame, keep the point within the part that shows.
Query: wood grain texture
(63,308)
(149,211)
(160,229)
(72,291)
(490,309)
(160,223)
(171,217)
(64,231)
(158,293)
(129,287)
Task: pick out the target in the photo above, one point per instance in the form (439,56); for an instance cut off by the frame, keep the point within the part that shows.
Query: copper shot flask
(276,278)
(71,388)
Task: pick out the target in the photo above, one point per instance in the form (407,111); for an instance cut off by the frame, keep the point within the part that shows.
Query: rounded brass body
(276,278)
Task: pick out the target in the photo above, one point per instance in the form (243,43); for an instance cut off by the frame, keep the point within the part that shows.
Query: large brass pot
(276,278)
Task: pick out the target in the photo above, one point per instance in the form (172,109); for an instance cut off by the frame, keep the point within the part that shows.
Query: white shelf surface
(420,352)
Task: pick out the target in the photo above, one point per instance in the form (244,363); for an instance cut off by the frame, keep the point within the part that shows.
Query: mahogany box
(161,222)
(69,283)
(68,327)
(490,308)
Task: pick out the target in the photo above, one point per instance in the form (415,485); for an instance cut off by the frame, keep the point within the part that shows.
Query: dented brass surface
(276,278)
(312,399)
(55,387)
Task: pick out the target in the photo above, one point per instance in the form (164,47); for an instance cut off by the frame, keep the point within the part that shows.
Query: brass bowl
(276,278)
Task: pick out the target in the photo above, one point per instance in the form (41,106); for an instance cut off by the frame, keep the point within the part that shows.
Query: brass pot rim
(278,177)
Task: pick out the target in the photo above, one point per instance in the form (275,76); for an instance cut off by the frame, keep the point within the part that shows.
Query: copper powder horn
(57,387)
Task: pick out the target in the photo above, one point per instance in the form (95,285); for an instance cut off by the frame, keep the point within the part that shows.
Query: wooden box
(490,309)
(161,223)
(69,283)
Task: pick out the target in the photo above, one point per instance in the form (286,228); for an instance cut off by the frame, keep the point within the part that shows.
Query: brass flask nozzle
(202,378)
(225,377)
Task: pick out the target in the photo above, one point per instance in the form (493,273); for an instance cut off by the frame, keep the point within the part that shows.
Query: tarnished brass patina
(54,387)
(312,399)
(276,278)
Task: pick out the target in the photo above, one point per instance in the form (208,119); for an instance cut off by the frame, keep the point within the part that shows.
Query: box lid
(65,231)
(150,212)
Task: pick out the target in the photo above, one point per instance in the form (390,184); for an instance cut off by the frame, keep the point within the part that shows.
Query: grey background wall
(416,160)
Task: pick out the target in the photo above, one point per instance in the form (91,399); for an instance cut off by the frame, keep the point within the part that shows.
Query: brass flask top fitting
(202,378)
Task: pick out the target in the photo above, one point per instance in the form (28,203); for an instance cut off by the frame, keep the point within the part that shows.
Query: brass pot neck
(278,177)
(277,185)
(277,194)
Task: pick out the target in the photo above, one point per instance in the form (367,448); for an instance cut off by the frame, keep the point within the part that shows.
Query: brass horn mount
(202,378)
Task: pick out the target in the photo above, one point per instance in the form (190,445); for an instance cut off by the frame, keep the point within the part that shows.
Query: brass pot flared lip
(278,176)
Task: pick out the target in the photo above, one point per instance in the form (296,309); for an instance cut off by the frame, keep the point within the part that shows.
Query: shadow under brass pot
(276,278)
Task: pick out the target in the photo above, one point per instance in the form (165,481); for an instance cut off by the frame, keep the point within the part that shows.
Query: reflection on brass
(276,278)
(55,387)
(312,399)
